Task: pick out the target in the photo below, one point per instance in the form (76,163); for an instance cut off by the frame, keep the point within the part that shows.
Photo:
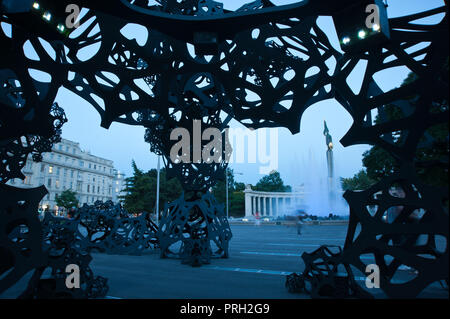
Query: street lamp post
(226,190)
(157,190)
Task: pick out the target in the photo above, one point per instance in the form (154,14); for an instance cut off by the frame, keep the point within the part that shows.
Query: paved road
(260,258)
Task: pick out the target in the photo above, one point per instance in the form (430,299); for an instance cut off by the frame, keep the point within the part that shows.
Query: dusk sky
(122,143)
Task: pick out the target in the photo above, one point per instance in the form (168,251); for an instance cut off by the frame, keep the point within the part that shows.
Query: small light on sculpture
(361,34)
(47,16)
(376,27)
(346,40)
(330,146)
(61,27)
(36,6)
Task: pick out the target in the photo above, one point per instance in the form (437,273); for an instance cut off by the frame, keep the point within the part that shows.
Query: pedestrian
(299,225)
(257,220)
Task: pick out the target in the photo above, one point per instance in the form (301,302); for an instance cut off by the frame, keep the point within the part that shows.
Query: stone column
(270,207)
(248,204)
(264,212)
(253,205)
(277,210)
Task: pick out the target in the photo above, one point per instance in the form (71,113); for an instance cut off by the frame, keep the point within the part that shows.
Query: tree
(141,190)
(67,199)
(360,181)
(379,162)
(236,198)
(272,183)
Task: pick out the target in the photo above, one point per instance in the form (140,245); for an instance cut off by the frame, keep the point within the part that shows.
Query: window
(50,169)
(67,159)
(57,184)
(49,182)
(81,163)
(42,168)
(89,165)
(51,155)
(59,157)
(65,172)
(88,188)
(117,190)
(60,147)
(71,173)
(98,189)
(95,166)
(67,148)
(73,151)
(58,169)
(93,179)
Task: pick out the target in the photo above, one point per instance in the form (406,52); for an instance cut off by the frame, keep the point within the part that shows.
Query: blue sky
(122,143)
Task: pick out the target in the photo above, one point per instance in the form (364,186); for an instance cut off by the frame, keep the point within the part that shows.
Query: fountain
(323,193)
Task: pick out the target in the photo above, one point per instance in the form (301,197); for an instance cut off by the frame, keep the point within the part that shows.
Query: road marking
(284,254)
(297,245)
(269,253)
(277,272)
(257,271)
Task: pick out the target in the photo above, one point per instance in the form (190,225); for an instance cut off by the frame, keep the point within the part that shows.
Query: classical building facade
(69,167)
(272,204)
(118,186)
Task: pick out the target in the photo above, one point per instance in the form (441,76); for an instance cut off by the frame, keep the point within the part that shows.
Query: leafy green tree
(360,181)
(237,204)
(379,163)
(67,199)
(236,200)
(272,183)
(141,190)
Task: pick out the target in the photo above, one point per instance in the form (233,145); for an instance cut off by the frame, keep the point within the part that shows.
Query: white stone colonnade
(271,204)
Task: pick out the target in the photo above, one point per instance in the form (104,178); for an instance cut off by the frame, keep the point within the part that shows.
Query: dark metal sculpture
(26,245)
(194,224)
(326,276)
(64,246)
(15,151)
(20,234)
(262,65)
(106,227)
